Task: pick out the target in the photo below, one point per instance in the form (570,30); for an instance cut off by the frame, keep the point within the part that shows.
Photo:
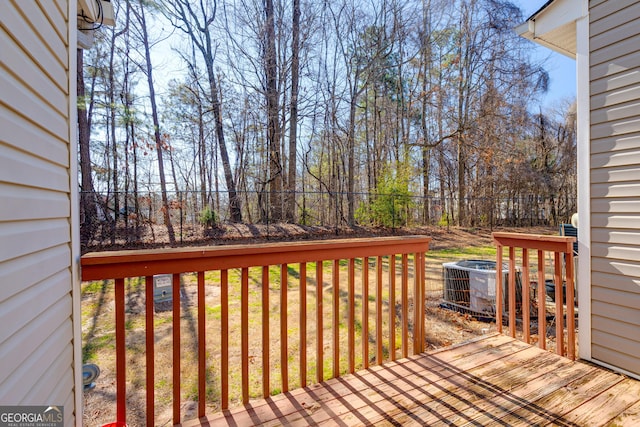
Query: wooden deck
(490,381)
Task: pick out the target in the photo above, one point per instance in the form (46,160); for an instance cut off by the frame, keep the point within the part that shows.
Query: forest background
(337,113)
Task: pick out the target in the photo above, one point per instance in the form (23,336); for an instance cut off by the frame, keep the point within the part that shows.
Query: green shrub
(304,216)
(389,205)
(208,217)
(444,220)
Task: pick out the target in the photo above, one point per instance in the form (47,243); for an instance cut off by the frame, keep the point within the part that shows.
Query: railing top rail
(136,263)
(562,244)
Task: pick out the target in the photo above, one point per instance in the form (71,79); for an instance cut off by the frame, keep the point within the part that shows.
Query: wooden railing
(563,277)
(397,252)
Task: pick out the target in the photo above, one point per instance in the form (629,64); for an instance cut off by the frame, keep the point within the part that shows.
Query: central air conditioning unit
(470,286)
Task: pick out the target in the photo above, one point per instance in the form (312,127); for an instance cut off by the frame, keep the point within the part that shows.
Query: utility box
(162,288)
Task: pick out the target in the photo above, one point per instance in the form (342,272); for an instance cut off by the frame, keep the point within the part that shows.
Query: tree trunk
(156,127)
(293,129)
(202,156)
(351,202)
(112,131)
(426,52)
(89,212)
(464,56)
(462,190)
(234,201)
(273,123)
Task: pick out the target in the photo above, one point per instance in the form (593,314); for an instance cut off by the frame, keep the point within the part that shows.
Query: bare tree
(196,23)
(363,48)
(293,122)
(273,116)
(159,143)
(129,121)
(113,107)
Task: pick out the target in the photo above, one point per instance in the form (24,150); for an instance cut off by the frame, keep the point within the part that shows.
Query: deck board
(630,417)
(483,382)
(495,380)
(606,406)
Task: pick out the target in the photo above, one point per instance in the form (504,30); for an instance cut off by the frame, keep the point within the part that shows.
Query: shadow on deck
(494,380)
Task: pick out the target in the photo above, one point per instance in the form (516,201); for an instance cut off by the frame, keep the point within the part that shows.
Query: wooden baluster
(121,377)
(417,313)
(499,287)
(336,318)
(244,332)
(526,315)
(303,324)
(202,349)
(542,303)
(405,302)
(284,339)
(571,322)
(559,297)
(150,349)
(512,291)
(392,307)
(176,348)
(266,386)
(419,317)
(224,338)
(352,317)
(319,324)
(379,311)
(365,312)
(421,284)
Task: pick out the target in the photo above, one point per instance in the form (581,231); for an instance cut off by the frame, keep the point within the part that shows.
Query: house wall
(614,64)
(37,287)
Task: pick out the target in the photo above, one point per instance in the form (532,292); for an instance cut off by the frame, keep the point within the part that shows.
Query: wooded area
(341,113)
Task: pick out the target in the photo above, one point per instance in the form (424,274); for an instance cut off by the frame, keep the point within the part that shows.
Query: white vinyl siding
(615,183)
(36,132)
